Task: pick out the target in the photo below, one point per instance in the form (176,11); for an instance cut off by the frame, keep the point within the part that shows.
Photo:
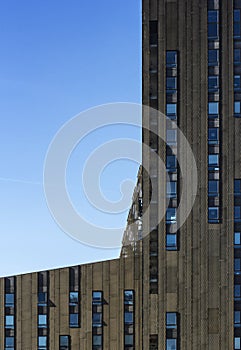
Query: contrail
(28,182)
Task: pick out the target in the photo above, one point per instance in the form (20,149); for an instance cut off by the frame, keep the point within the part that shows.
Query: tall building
(179,287)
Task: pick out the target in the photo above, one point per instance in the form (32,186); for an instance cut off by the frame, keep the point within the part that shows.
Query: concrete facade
(186,295)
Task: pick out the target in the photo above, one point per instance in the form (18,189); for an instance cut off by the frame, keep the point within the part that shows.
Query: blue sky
(57,59)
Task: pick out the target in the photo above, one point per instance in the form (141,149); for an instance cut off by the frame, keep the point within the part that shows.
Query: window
(9,300)
(171,241)
(129,304)
(9,343)
(213,108)
(171,215)
(213,214)
(171,189)
(213,188)
(42,321)
(237,214)
(213,24)
(237,108)
(171,162)
(171,109)
(42,343)
(236,23)
(64,342)
(171,84)
(237,343)
(171,136)
(171,330)
(73,298)
(237,266)
(213,57)
(237,238)
(171,58)
(213,161)
(237,187)
(42,299)
(237,56)
(97,320)
(237,291)
(171,344)
(9,321)
(213,83)
(213,136)
(237,82)
(74,320)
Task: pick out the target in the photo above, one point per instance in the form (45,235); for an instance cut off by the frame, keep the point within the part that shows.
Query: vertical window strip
(43,310)
(129,320)
(97,320)
(237,58)
(171,149)
(214,108)
(74,297)
(10,313)
(237,265)
(172,331)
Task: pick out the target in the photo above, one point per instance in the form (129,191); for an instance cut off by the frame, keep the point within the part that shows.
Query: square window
(129,339)
(237,56)
(213,108)
(171,83)
(171,215)
(237,238)
(171,241)
(129,317)
(171,58)
(97,318)
(129,297)
(212,30)
(171,163)
(236,15)
(171,320)
(237,266)
(236,29)
(213,16)
(171,110)
(213,135)
(237,214)
(213,187)
(237,343)
(97,340)
(237,107)
(237,187)
(171,344)
(171,136)
(213,161)
(73,298)
(42,321)
(213,83)
(74,320)
(9,299)
(237,82)
(42,341)
(213,214)
(64,341)
(171,189)
(97,297)
(9,321)
(237,291)
(9,342)
(42,299)
(213,57)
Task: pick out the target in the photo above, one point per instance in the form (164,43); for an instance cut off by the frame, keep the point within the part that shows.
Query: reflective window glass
(171,189)
(237,213)
(171,136)
(9,321)
(74,320)
(213,108)
(213,16)
(171,215)
(213,135)
(171,344)
(213,187)
(237,265)
(213,213)
(237,238)
(237,56)
(129,317)
(97,339)
(213,57)
(237,187)
(237,290)
(73,298)
(129,297)
(171,58)
(237,108)
(237,343)
(171,109)
(171,240)
(171,163)
(42,299)
(237,82)
(213,83)
(129,339)
(9,299)
(42,321)
(171,83)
